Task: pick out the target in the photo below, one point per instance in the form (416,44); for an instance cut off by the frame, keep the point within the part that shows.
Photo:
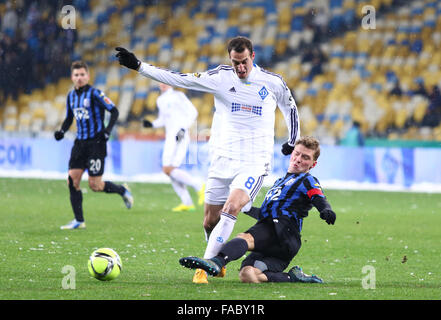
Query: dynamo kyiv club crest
(263,93)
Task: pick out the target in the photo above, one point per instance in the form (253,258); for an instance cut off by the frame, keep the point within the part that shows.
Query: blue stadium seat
(100,78)
(336,23)
(232,31)
(391,76)
(141,95)
(416,11)
(328,85)
(299,4)
(335,4)
(297,23)
(222,13)
(431,23)
(417,46)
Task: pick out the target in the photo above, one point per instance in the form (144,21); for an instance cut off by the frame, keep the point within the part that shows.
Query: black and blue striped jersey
(292,196)
(87,105)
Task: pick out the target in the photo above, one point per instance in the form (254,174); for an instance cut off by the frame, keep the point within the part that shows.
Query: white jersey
(244,109)
(175,112)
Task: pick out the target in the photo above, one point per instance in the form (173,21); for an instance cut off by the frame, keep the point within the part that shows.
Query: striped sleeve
(103,100)
(288,106)
(205,82)
(313,187)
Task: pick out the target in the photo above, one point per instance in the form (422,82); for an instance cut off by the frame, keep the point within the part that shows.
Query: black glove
(180,135)
(127,58)
(328,215)
(287,149)
(59,135)
(147,124)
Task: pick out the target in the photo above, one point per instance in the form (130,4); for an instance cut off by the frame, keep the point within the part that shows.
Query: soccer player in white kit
(177,114)
(245,100)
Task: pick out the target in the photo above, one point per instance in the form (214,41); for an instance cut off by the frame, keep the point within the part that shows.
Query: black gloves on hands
(287,149)
(59,135)
(180,135)
(127,58)
(328,215)
(147,124)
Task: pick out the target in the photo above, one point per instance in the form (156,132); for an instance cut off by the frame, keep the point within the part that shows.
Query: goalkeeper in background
(275,239)
(177,114)
(87,105)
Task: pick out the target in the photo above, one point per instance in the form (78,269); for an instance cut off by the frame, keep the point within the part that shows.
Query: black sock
(277,276)
(232,250)
(76,200)
(110,187)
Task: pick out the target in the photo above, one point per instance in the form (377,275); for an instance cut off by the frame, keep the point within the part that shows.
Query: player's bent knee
(73,185)
(95,186)
(248,275)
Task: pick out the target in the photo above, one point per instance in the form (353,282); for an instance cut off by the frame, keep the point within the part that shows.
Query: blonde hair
(310,143)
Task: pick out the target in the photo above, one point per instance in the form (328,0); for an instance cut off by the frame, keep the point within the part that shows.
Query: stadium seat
(190,36)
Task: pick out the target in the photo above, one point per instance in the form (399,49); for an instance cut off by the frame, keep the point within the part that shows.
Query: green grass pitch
(386,240)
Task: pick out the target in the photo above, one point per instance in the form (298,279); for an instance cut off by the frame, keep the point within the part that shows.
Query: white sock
(182,192)
(184,177)
(220,234)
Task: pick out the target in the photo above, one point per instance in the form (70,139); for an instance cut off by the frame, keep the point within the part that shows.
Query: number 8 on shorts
(249,183)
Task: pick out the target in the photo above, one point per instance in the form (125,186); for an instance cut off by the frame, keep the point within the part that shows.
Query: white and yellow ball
(104,264)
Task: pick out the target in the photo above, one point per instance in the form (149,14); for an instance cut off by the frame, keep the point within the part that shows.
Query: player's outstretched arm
(192,81)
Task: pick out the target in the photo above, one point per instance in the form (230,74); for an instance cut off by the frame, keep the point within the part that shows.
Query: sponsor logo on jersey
(238,107)
(290,181)
(81,113)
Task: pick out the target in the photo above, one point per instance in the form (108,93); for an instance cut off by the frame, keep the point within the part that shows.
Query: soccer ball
(104,264)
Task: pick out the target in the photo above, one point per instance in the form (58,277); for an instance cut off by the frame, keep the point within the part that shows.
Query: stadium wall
(376,168)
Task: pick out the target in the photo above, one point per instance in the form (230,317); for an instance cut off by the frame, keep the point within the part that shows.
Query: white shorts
(174,152)
(227,174)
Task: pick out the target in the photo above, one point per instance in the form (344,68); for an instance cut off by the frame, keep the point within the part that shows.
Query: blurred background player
(177,114)
(88,104)
(275,239)
(245,100)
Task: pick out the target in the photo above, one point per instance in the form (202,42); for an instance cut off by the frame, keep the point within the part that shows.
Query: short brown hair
(78,65)
(310,143)
(239,44)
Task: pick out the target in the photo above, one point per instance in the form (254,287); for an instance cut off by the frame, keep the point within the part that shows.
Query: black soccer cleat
(296,274)
(207,265)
